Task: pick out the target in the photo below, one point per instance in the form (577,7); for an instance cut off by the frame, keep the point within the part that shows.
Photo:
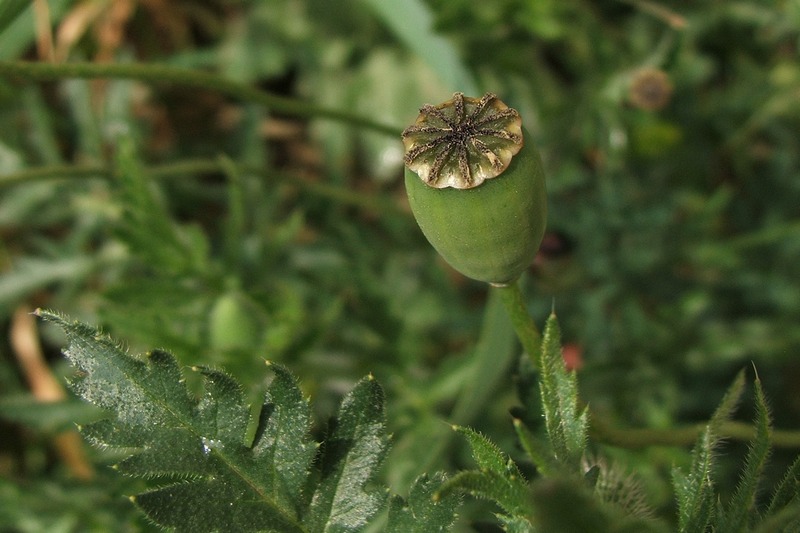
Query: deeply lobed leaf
(346,498)
(209,477)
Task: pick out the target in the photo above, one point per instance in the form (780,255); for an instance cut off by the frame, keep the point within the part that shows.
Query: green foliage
(566,423)
(425,511)
(566,498)
(699,504)
(210,475)
(215,222)
(576,493)
(9,10)
(740,513)
(694,490)
(498,479)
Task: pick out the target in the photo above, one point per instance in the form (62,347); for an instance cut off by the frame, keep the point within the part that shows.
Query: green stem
(524,325)
(189,78)
(203,166)
(601,429)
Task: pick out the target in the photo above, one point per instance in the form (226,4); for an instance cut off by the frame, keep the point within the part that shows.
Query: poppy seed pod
(476,189)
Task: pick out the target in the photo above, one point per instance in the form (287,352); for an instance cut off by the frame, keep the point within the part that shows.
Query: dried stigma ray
(463,142)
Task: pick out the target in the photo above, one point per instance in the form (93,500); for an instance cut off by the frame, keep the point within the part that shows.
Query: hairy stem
(189,78)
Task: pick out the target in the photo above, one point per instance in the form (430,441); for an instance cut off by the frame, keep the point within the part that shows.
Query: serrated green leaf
(488,455)
(209,478)
(694,491)
(740,511)
(567,425)
(281,436)
(423,512)
(345,499)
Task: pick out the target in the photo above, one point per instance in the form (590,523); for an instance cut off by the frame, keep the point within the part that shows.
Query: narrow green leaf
(511,488)
(235,222)
(694,491)
(538,451)
(147,226)
(566,425)
(345,499)
(31,274)
(423,512)
(788,490)
(513,498)
(48,417)
(740,512)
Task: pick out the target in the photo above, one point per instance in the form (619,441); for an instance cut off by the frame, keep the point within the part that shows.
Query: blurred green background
(229,233)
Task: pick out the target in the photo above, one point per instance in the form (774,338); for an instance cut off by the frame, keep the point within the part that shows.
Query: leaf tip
(756,379)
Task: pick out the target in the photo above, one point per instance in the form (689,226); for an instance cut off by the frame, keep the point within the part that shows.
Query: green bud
(231,323)
(476,189)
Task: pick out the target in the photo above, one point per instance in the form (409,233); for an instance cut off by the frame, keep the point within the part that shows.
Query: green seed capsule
(476,189)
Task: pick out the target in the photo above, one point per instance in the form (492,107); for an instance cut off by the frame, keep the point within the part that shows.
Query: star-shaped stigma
(463,141)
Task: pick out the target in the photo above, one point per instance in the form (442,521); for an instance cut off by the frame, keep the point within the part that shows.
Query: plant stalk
(190,167)
(162,74)
(521,320)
